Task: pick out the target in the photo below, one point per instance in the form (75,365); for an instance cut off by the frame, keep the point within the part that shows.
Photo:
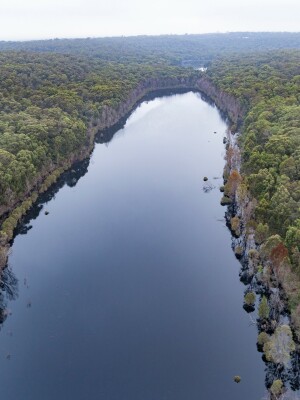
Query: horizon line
(146,35)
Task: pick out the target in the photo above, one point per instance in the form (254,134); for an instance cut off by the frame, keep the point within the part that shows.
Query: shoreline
(258,274)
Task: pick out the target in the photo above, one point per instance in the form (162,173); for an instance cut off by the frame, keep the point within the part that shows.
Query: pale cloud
(33,19)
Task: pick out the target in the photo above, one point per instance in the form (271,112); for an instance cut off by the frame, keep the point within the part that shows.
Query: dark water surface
(128,289)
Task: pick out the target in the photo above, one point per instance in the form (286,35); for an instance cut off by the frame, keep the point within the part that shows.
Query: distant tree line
(195,50)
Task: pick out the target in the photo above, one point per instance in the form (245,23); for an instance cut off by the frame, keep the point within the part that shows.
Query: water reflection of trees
(8,281)
(69,178)
(106,135)
(8,291)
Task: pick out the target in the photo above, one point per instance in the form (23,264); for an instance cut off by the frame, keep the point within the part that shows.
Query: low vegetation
(250,298)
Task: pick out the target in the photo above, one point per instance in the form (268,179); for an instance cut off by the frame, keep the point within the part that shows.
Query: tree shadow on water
(8,280)
(8,292)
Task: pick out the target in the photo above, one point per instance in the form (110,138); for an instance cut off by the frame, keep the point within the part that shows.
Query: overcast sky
(40,19)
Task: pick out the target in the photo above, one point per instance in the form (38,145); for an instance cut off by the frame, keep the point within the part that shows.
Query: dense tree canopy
(268,87)
(47,102)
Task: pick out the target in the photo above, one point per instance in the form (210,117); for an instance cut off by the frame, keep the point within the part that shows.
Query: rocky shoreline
(277,339)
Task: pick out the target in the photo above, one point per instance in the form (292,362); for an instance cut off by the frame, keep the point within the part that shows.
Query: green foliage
(250,298)
(264,309)
(173,49)
(292,237)
(14,218)
(261,232)
(226,201)
(52,178)
(235,225)
(276,387)
(267,84)
(280,346)
(263,338)
(295,313)
(238,251)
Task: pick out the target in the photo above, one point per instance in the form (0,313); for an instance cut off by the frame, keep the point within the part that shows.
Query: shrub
(235,225)
(250,298)
(264,309)
(263,338)
(238,251)
(276,387)
(280,346)
(225,201)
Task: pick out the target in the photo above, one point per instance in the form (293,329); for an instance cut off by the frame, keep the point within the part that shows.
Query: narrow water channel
(129,289)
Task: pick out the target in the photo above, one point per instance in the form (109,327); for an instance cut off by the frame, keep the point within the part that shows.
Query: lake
(129,289)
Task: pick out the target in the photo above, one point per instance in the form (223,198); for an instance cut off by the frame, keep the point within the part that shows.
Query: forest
(48,103)
(53,93)
(182,50)
(268,88)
